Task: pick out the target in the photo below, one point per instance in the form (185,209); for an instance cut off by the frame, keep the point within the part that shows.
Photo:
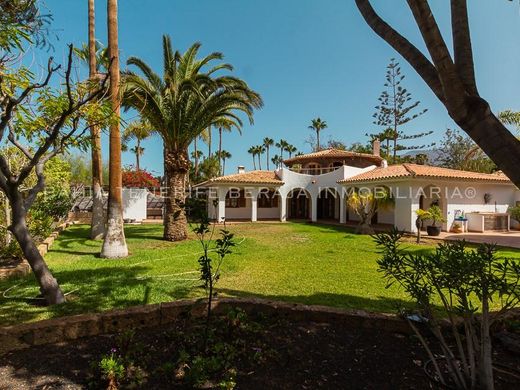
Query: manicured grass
(312,264)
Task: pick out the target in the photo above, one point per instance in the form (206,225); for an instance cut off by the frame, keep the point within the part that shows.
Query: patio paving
(509,239)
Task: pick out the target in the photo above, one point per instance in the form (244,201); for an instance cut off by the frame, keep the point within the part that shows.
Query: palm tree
(97,59)
(188,99)
(290,149)
(224,125)
(268,142)
(276,160)
(139,131)
(225,155)
(318,125)
(253,152)
(114,244)
(259,151)
(196,155)
(282,144)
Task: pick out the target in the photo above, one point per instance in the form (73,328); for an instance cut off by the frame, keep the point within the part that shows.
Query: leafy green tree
(458,151)
(395,110)
(209,168)
(41,122)
(196,155)
(451,77)
(282,144)
(291,149)
(201,99)
(366,203)
(465,281)
(317,125)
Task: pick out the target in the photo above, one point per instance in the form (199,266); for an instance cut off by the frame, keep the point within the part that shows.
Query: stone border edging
(24,268)
(68,328)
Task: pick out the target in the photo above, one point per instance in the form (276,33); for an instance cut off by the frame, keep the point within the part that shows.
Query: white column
(282,205)
(314,208)
(342,211)
(253,193)
(221,204)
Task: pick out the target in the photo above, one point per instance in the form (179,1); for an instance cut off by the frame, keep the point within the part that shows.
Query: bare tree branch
(403,46)
(463,51)
(12,138)
(40,185)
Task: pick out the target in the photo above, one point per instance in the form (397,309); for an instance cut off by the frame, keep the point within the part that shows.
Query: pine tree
(396,109)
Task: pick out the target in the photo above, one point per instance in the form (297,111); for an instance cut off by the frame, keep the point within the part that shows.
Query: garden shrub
(465,281)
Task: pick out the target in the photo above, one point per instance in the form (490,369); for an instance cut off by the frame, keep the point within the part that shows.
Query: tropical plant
(435,214)
(291,149)
(268,142)
(259,151)
(317,125)
(465,281)
(139,179)
(138,130)
(277,161)
(282,144)
(209,168)
(196,155)
(422,215)
(114,243)
(188,99)
(366,203)
(253,151)
(224,155)
(510,117)
(224,125)
(452,78)
(98,62)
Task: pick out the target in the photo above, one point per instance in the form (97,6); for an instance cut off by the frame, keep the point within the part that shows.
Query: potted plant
(422,215)
(435,214)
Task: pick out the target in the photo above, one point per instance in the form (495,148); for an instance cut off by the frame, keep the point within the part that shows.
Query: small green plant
(435,214)
(515,213)
(422,215)
(112,370)
(465,281)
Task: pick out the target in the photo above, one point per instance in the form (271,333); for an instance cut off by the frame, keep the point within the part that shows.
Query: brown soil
(306,356)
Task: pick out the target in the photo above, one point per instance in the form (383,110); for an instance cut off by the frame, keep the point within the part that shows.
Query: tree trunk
(486,358)
(138,156)
(223,167)
(317,140)
(97,225)
(267,157)
(259,161)
(220,148)
(196,159)
(209,141)
(49,287)
(175,223)
(114,245)
(254,162)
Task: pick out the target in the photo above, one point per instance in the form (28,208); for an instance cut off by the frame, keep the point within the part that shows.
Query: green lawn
(313,264)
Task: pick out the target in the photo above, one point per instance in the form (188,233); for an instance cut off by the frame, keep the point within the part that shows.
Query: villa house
(315,187)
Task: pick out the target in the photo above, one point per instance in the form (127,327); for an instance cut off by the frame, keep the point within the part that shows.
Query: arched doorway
(328,206)
(299,204)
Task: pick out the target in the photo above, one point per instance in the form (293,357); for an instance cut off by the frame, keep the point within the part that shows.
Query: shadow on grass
(345,301)
(89,291)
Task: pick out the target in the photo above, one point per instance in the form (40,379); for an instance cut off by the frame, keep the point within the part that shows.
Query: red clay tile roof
(424,171)
(332,153)
(251,177)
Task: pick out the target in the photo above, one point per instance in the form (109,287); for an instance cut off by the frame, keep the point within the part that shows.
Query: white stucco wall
(134,204)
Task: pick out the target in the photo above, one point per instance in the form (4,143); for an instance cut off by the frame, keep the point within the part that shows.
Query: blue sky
(307,58)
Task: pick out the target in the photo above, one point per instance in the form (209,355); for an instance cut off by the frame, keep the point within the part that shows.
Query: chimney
(241,169)
(376,147)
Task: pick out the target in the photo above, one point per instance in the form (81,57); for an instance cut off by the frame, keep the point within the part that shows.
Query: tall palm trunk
(267,157)
(220,148)
(317,140)
(260,161)
(49,287)
(223,166)
(138,155)
(97,226)
(209,141)
(196,158)
(177,165)
(114,245)
(254,161)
